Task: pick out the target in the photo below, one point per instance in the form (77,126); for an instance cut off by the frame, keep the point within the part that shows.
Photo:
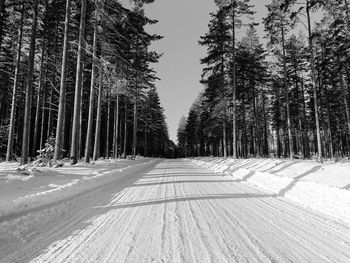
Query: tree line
(78,74)
(288,99)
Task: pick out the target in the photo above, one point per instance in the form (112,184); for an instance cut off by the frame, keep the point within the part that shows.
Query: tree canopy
(76,66)
(291,97)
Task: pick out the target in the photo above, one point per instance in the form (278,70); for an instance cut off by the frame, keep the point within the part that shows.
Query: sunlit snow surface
(175,211)
(324,187)
(46,185)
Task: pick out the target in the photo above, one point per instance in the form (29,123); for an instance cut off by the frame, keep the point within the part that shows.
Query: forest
(287,98)
(76,77)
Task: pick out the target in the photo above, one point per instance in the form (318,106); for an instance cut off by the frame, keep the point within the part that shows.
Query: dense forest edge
(77,82)
(289,99)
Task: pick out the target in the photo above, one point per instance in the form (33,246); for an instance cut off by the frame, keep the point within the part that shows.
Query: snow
(168,211)
(180,213)
(47,185)
(323,187)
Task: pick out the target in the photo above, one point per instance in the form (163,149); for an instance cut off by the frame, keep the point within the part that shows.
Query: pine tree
(310,4)
(252,71)
(92,92)
(77,97)
(218,42)
(277,25)
(62,98)
(9,152)
(28,100)
(236,9)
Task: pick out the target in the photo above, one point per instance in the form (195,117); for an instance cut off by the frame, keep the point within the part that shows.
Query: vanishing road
(172,211)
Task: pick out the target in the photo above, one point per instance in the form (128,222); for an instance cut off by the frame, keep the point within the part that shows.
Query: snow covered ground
(324,187)
(47,185)
(167,211)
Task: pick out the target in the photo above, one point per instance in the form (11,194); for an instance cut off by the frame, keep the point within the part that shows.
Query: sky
(182,22)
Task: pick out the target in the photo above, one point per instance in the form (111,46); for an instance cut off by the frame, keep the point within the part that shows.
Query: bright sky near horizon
(182,22)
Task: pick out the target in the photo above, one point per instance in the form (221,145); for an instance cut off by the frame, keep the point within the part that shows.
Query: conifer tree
(277,24)
(9,152)
(63,83)
(29,86)
(77,96)
(235,9)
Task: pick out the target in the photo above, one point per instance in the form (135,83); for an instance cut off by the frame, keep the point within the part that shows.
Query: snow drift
(323,187)
(48,185)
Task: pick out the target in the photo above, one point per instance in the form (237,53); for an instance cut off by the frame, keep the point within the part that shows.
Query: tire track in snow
(68,248)
(261,219)
(241,241)
(232,242)
(164,218)
(181,213)
(127,233)
(259,216)
(146,230)
(195,232)
(292,225)
(201,228)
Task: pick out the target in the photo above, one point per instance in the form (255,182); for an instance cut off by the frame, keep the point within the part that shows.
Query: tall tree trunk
(98,114)
(290,139)
(244,124)
(145,144)
(77,97)
(305,135)
(266,143)
(92,94)
(80,140)
(234,121)
(299,130)
(279,151)
(345,101)
(49,120)
(14,92)
(108,121)
(28,100)
(37,109)
(256,126)
(224,137)
(43,117)
(134,135)
(330,135)
(244,132)
(328,115)
(115,139)
(63,84)
(314,83)
(116,129)
(125,130)
(120,134)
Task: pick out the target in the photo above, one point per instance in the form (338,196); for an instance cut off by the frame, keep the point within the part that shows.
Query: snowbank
(47,185)
(323,187)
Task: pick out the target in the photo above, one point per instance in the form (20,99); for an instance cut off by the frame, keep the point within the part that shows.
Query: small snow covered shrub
(46,155)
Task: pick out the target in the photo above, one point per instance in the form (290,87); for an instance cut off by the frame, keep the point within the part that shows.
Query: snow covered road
(172,211)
